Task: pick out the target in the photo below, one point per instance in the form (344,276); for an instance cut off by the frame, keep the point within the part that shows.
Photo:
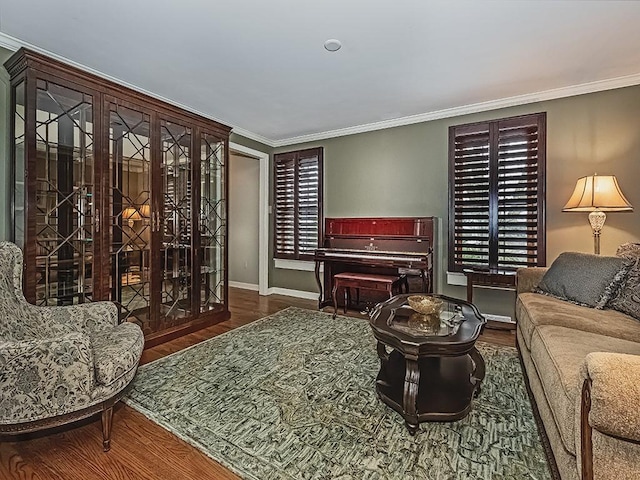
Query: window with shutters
(497,194)
(298,203)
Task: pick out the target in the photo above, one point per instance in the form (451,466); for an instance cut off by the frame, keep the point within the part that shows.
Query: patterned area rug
(292,396)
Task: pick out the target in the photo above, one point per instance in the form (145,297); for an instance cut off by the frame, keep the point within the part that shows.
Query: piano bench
(365,281)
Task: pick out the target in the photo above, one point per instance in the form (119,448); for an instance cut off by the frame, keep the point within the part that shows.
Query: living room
(397,166)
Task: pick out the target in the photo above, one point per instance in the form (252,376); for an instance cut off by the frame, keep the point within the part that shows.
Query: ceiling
(260,66)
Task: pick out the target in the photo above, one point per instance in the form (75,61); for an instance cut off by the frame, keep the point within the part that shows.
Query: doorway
(248,218)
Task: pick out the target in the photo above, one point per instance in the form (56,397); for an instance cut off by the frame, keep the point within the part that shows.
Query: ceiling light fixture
(332,45)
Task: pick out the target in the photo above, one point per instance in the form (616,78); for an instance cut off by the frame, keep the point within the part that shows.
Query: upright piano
(387,246)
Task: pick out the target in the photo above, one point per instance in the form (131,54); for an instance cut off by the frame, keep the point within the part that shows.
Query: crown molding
(13,44)
(10,43)
(553,94)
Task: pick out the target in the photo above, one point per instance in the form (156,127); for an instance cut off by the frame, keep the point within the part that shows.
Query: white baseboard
(245,286)
(293,293)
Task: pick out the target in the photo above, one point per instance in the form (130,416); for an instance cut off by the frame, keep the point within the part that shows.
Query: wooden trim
(59,420)
(30,202)
(586,442)
(203,321)
(226,227)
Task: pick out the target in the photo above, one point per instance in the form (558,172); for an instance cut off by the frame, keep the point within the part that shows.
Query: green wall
(403,171)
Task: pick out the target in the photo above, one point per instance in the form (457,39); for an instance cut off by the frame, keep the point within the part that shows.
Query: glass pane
(18,156)
(213,223)
(64,195)
(176,223)
(130,213)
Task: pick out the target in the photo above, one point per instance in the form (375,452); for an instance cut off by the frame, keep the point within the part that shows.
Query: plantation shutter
(471,205)
(520,192)
(496,200)
(298,201)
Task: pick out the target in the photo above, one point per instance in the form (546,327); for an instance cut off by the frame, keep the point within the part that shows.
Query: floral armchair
(59,364)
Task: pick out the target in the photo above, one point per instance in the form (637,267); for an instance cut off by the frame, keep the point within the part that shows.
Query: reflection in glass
(176,223)
(212,223)
(18,158)
(130,213)
(64,195)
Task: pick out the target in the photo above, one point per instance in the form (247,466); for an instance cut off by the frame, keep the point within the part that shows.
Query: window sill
(302,265)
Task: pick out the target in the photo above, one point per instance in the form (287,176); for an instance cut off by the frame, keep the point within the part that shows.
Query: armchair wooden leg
(107,421)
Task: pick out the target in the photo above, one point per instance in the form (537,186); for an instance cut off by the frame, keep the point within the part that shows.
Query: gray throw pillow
(584,279)
(627,298)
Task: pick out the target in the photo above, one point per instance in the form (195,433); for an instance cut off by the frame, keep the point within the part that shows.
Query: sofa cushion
(627,298)
(533,310)
(558,354)
(584,279)
(116,352)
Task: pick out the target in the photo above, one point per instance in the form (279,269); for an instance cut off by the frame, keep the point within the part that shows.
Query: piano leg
(320,298)
(425,285)
(335,299)
(347,298)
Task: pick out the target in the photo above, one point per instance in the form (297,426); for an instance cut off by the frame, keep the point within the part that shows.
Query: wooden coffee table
(430,369)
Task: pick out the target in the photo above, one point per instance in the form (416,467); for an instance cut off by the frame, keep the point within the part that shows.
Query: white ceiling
(260,65)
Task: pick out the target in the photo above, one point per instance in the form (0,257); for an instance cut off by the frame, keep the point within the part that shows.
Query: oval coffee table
(432,370)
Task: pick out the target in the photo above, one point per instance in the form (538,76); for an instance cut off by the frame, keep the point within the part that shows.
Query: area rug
(292,396)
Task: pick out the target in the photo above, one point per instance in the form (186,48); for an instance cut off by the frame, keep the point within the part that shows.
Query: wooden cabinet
(117,196)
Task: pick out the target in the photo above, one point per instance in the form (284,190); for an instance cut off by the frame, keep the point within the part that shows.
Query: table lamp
(597,194)
(131,214)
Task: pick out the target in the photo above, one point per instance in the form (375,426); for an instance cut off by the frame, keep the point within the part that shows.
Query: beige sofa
(583,369)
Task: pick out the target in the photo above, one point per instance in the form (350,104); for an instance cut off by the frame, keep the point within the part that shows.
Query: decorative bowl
(424,304)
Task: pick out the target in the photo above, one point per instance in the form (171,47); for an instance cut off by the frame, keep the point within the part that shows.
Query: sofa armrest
(614,380)
(528,278)
(45,377)
(85,317)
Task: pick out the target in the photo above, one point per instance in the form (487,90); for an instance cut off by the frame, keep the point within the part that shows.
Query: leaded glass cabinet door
(213,223)
(128,202)
(64,211)
(176,172)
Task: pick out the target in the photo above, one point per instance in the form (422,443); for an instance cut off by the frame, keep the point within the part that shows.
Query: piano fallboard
(368,257)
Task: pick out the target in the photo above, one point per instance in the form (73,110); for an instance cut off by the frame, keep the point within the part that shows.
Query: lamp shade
(145,210)
(600,192)
(131,213)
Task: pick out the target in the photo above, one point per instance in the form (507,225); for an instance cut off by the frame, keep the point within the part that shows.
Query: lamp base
(597,219)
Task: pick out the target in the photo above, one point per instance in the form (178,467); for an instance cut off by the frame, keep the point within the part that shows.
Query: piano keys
(384,245)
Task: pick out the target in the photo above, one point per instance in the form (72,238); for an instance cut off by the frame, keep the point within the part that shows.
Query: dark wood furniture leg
(335,299)
(347,297)
(107,422)
(586,442)
(479,371)
(410,397)
(319,283)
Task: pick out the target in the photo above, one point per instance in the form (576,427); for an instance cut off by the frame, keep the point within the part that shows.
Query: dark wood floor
(140,449)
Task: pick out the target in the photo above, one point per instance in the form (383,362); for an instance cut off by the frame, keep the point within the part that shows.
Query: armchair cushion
(45,377)
(615,392)
(116,352)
